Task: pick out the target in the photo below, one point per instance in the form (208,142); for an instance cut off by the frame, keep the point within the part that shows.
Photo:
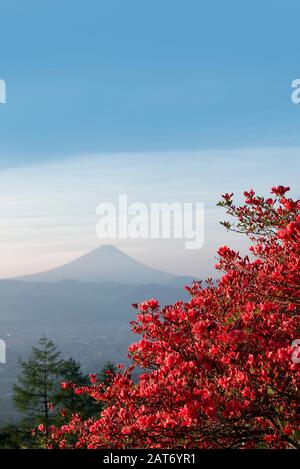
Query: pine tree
(38,383)
(65,399)
(45,392)
(68,401)
(107,373)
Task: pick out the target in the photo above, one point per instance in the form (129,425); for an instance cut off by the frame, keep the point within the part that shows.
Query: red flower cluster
(217,371)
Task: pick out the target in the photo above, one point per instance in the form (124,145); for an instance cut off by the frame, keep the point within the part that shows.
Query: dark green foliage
(65,401)
(107,373)
(41,398)
(38,383)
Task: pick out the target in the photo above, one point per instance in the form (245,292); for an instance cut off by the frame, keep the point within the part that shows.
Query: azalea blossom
(217,370)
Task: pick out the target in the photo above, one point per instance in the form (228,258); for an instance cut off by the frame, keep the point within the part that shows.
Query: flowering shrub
(217,370)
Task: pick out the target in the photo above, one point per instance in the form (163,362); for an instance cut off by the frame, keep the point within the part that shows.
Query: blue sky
(98,76)
(201,89)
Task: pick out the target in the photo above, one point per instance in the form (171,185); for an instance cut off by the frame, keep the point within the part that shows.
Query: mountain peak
(105,251)
(107,247)
(106,263)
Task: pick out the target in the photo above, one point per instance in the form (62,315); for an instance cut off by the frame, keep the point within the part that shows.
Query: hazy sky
(48,210)
(164,100)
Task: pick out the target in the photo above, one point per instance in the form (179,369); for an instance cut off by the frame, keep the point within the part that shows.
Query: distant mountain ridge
(107,264)
(70,302)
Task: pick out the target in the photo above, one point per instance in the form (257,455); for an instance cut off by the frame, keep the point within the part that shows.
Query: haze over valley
(85,306)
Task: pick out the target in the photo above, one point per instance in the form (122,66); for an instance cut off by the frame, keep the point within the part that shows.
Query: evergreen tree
(65,399)
(45,393)
(68,401)
(38,383)
(107,373)
(15,436)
